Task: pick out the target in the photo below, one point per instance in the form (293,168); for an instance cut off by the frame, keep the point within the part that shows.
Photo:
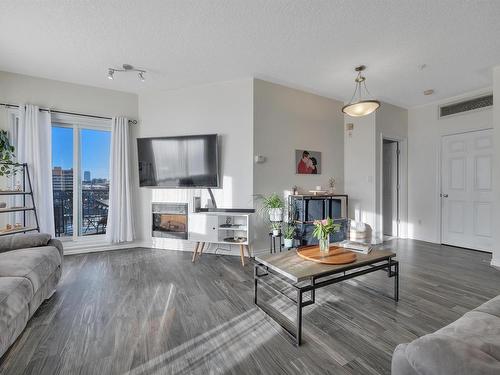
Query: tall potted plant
(322,230)
(273,205)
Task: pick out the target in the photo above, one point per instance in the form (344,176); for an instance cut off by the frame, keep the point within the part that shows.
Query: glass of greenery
(322,230)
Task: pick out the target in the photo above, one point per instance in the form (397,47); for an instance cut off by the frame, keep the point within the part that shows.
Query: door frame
(402,227)
(440,182)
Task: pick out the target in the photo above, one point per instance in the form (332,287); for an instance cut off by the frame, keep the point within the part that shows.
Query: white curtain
(120,226)
(33,144)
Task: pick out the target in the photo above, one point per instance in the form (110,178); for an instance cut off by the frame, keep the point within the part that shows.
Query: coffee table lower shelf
(266,266)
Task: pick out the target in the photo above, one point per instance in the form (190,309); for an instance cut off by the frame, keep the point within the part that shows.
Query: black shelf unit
(303,210)
(27,191)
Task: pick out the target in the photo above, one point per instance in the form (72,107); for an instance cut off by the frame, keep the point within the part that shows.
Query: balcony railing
(93,211)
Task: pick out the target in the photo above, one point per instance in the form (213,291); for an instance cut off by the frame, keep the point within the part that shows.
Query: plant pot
(276,232)
(288,242)
(275,214)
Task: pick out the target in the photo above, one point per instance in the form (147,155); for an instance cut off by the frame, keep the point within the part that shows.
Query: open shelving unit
(26,192)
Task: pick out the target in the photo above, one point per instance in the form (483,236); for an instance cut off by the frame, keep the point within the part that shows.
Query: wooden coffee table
(306,276)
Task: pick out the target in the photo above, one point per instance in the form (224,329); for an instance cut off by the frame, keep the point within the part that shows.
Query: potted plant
(273,205)
(276,227)
(6,155)
(322,230)
(289,235)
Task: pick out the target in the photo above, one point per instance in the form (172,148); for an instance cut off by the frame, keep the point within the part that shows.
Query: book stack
(357,247)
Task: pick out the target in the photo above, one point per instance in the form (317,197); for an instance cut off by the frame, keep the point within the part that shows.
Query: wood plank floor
(142,311)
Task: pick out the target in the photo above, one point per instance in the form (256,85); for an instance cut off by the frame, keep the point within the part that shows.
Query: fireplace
(170,220)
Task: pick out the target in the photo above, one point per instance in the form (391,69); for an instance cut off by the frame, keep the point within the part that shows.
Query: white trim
(82,248)
(402,181)
(495,262)
(82,121)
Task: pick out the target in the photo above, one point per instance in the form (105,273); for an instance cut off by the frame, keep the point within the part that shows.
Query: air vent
(480,102)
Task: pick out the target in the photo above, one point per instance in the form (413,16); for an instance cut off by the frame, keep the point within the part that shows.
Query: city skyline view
(94,151)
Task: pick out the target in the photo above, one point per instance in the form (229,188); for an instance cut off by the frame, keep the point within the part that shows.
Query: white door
(466,189)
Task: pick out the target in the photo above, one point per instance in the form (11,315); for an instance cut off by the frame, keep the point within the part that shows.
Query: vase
(324,245)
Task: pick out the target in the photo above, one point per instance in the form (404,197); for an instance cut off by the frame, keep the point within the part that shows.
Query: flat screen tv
(179,162)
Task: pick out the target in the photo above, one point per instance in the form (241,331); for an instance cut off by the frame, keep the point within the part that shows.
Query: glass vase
(324,246)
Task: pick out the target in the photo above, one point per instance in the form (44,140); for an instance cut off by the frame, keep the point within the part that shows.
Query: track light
(127,68)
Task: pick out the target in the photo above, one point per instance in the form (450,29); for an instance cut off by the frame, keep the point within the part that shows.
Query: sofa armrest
(400,364)
(23,241)
(58,245)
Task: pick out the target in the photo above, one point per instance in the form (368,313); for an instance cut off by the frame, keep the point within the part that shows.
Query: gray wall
(286,119)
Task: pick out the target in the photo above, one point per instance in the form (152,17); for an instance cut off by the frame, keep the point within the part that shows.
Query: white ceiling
(312,45)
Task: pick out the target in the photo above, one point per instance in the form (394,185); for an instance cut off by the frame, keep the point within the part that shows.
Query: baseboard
(94,248)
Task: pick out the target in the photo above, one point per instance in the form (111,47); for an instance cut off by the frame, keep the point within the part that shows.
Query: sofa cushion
(491,307)
(22,241)
(470,345)
(15,295)
(36,264)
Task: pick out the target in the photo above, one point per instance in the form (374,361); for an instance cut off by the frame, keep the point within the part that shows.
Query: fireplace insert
(170,220)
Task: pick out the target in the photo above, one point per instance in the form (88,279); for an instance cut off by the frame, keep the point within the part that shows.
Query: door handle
(444,195)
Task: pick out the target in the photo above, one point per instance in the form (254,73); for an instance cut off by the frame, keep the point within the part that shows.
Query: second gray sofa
(468,346)
(30,268)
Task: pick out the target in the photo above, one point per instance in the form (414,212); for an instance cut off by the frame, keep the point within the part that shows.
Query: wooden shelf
(5,232)
(16,209)
(13,192)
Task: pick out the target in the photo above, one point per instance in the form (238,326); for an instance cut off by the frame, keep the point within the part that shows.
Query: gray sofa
(30,268)
(468,346)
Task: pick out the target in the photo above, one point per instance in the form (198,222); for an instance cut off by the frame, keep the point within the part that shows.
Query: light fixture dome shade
(361,108)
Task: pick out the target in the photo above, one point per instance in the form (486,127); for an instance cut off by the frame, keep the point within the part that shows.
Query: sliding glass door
(80,179)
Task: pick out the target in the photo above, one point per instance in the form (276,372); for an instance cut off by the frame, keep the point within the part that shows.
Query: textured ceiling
(312,45)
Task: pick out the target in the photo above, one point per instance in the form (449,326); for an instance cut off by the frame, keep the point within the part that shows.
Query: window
(80,178)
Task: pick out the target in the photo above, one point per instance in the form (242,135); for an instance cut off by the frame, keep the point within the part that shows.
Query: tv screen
(179,162)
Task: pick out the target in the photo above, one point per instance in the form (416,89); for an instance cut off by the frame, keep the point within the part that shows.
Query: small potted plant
(273,205)
(322,230)
(6,155)
(289,235)
(331,184)
(276,228)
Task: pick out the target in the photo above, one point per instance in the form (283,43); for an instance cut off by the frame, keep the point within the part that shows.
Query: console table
(305,277)
(221,226)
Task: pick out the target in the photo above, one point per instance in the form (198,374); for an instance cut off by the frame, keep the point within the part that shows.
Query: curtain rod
(68,113)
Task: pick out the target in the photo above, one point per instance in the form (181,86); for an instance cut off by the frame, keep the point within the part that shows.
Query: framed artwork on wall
(307,162)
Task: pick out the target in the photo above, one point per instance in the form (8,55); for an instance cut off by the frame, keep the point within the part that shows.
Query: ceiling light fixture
(127,68)
(360,107)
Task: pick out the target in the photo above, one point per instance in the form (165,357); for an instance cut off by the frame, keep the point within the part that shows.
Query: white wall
(359,168)
(363,163)
(496,170)
(225,108)
(391,122)
(46,93)
(286,119)
(425,130)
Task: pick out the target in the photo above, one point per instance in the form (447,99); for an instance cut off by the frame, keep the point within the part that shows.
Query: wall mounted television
(190,161)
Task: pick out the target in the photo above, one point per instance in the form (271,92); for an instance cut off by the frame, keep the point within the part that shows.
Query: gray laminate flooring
(143,311)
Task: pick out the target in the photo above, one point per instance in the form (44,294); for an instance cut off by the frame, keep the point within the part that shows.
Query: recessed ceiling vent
(473,104)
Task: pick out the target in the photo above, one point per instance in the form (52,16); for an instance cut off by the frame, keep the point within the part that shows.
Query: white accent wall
(425,130)
(225,108)
(287,119)
(363,164)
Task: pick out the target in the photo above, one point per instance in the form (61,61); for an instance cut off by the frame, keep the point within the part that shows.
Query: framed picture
(307,162)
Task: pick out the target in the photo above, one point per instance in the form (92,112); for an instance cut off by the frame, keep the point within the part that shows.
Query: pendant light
(358,106)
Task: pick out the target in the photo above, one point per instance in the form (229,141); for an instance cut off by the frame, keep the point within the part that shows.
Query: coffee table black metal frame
(315,282)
